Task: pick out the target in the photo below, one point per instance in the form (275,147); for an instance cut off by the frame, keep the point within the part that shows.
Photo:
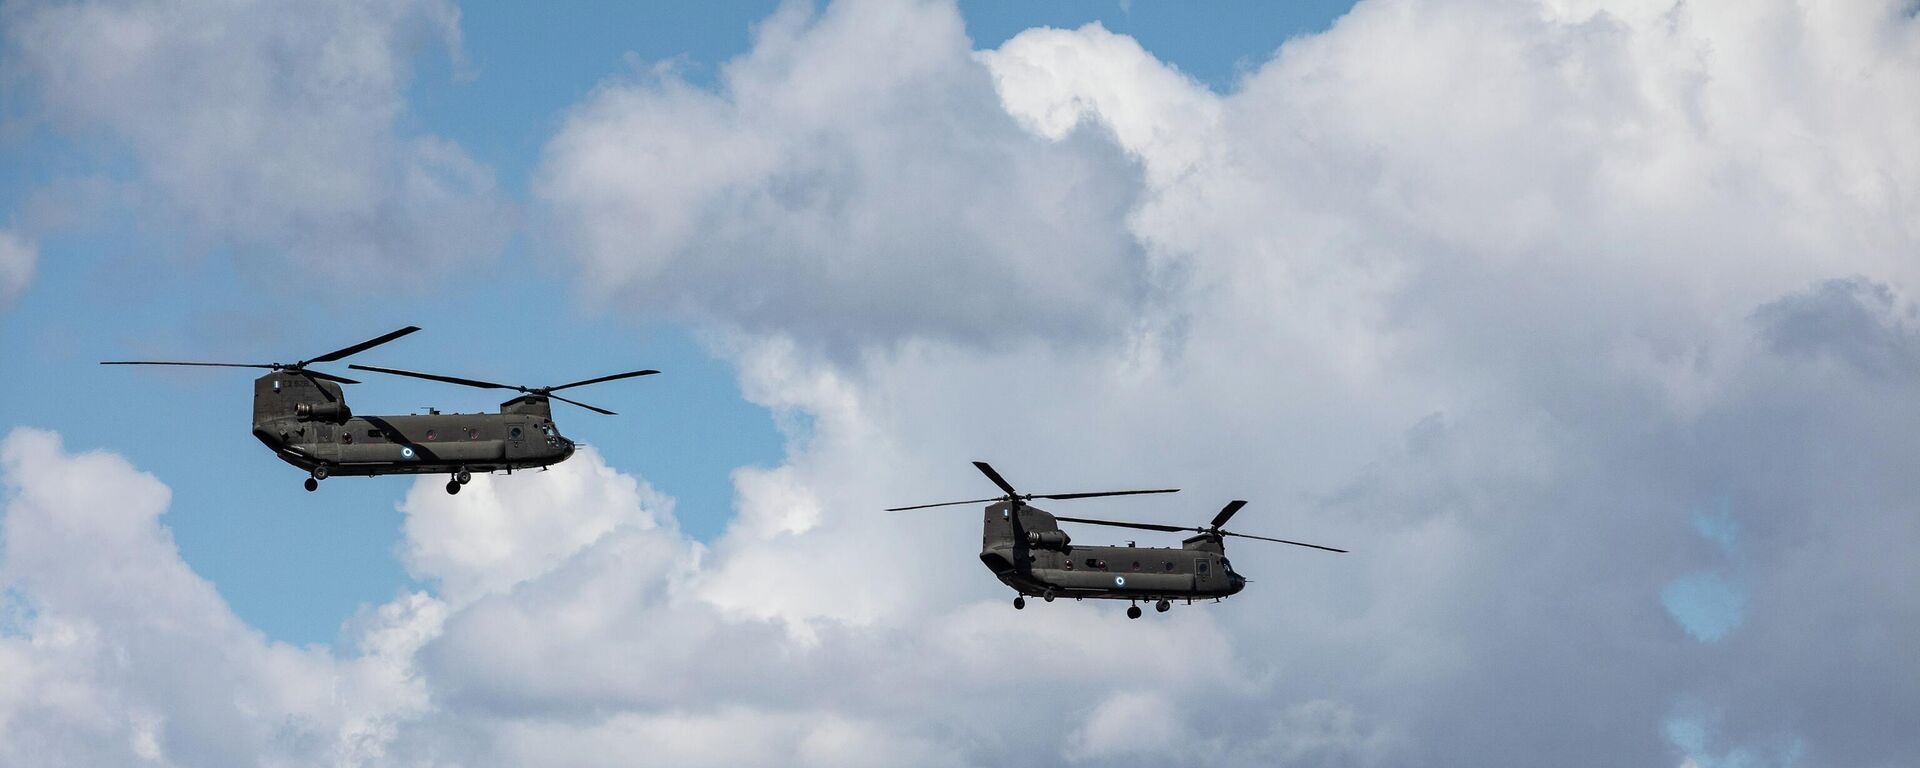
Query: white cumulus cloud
(271,130)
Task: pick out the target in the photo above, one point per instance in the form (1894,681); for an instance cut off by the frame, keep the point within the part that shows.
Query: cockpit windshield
(1226,566)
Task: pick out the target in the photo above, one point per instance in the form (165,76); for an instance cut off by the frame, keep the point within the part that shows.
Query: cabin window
(514,433)
(473,434)
(430,435)
(346,436)
(1169,565)
(1200,567)
(1136,565)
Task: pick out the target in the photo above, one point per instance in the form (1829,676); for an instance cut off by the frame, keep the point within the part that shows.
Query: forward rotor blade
(436,377)
(1282,541)
(205,365)
(946,504)
(594,408)
(324,375)
(315,381)
(362,346)
(615,377)
(1118,524)
(1097,494)
(987,469)
(1226,513)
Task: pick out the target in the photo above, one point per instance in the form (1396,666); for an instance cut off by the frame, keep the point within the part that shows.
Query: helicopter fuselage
(307,424)
(1030,553)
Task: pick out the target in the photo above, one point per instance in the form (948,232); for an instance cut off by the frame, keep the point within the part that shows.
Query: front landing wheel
(1020,603)
(453,487)
(1162,606)
(312,485)
(1133,611)
(463,477)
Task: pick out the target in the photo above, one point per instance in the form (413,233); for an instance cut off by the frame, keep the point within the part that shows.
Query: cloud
(853,180)
(497,534)
(273,132)
(1498,295)
(17,258)
(116,653)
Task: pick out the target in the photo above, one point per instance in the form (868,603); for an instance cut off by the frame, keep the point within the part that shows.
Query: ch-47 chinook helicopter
(302,415)
(1024,546)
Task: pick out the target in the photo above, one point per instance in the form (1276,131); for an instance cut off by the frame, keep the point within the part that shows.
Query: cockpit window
(547,428)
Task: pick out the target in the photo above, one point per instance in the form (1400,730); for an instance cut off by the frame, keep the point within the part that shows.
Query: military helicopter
(1024,546)
(302,415)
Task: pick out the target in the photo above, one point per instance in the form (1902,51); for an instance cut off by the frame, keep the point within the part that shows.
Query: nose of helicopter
(1236,584)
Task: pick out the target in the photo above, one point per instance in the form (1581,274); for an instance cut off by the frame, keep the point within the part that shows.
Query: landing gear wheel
(453,487)
(1020,603)
(462,477)
(320,472)
(1048,596)
(1162,606)
(1133,611)
(312,485)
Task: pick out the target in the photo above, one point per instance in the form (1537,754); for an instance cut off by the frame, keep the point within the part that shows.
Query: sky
(1587,325)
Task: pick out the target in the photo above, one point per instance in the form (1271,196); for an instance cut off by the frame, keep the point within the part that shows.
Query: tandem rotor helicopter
(1024,546)
(302,415)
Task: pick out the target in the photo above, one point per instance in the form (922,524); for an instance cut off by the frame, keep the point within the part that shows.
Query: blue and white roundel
(406,453)
(1119,581)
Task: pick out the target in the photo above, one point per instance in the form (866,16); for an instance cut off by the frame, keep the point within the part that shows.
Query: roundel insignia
(1119,581)
(406,453)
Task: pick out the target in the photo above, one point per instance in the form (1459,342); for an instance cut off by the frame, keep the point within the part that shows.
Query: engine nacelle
(1056,540)
(335,412)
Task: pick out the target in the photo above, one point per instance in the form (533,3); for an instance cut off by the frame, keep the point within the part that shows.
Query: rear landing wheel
(1020,603)
(1133,611)
(463,477)
(453,486)
(312,485)
(320,472)
(1048,596)
(1162,606)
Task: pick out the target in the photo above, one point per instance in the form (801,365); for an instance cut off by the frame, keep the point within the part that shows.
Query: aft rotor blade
(436,377)
(1282,541)
(205,365)
(614,377)
(1226,513)
(1118,524)
(362,346)
(1097,494)
(946,504)
(987,469)
(594,408)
